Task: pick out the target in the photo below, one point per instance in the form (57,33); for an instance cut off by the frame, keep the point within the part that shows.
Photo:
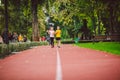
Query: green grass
(111,47)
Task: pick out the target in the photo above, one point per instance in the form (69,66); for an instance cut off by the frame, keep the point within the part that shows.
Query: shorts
(58,38)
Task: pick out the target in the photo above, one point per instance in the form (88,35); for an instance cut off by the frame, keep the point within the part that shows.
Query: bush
(16,47)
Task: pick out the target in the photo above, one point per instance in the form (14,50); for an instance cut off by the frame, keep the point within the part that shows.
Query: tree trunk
(99,21)
(6,39)
(111,18)
(94,24)
(35,35)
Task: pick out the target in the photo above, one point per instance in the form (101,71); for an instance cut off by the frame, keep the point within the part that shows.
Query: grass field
(111,47)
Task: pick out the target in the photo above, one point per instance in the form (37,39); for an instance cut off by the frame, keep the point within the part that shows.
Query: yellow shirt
(58,33)
(20,38)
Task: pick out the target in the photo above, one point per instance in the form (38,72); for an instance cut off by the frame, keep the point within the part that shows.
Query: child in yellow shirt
(58,36)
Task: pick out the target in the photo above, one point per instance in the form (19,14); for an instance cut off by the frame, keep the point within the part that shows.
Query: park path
(66,63)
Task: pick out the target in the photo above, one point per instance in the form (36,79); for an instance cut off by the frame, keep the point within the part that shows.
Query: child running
(51,33)
(58,36)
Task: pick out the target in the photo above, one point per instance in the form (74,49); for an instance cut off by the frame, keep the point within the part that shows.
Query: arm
(56,32)
(47,31)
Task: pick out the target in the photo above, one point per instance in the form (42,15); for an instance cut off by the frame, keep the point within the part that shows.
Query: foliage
(16,47)
(103,16)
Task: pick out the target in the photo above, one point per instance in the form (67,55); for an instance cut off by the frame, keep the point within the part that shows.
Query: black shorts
(58,38)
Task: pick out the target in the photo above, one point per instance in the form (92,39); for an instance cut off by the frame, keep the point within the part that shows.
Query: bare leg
(59,43)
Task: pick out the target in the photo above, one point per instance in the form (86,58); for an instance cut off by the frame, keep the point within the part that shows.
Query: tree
(110,16)
(101,16)
(35,28)
(5,34)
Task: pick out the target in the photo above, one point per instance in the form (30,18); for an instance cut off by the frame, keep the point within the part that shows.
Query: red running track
(40,63)
(35,64)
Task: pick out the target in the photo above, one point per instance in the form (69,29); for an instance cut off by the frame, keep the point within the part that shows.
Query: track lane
(34,64)
(86,64)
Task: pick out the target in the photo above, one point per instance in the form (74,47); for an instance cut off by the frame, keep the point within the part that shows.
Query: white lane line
(59,69)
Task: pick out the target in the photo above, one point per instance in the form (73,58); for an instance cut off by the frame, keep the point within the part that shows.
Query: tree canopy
(75,17)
